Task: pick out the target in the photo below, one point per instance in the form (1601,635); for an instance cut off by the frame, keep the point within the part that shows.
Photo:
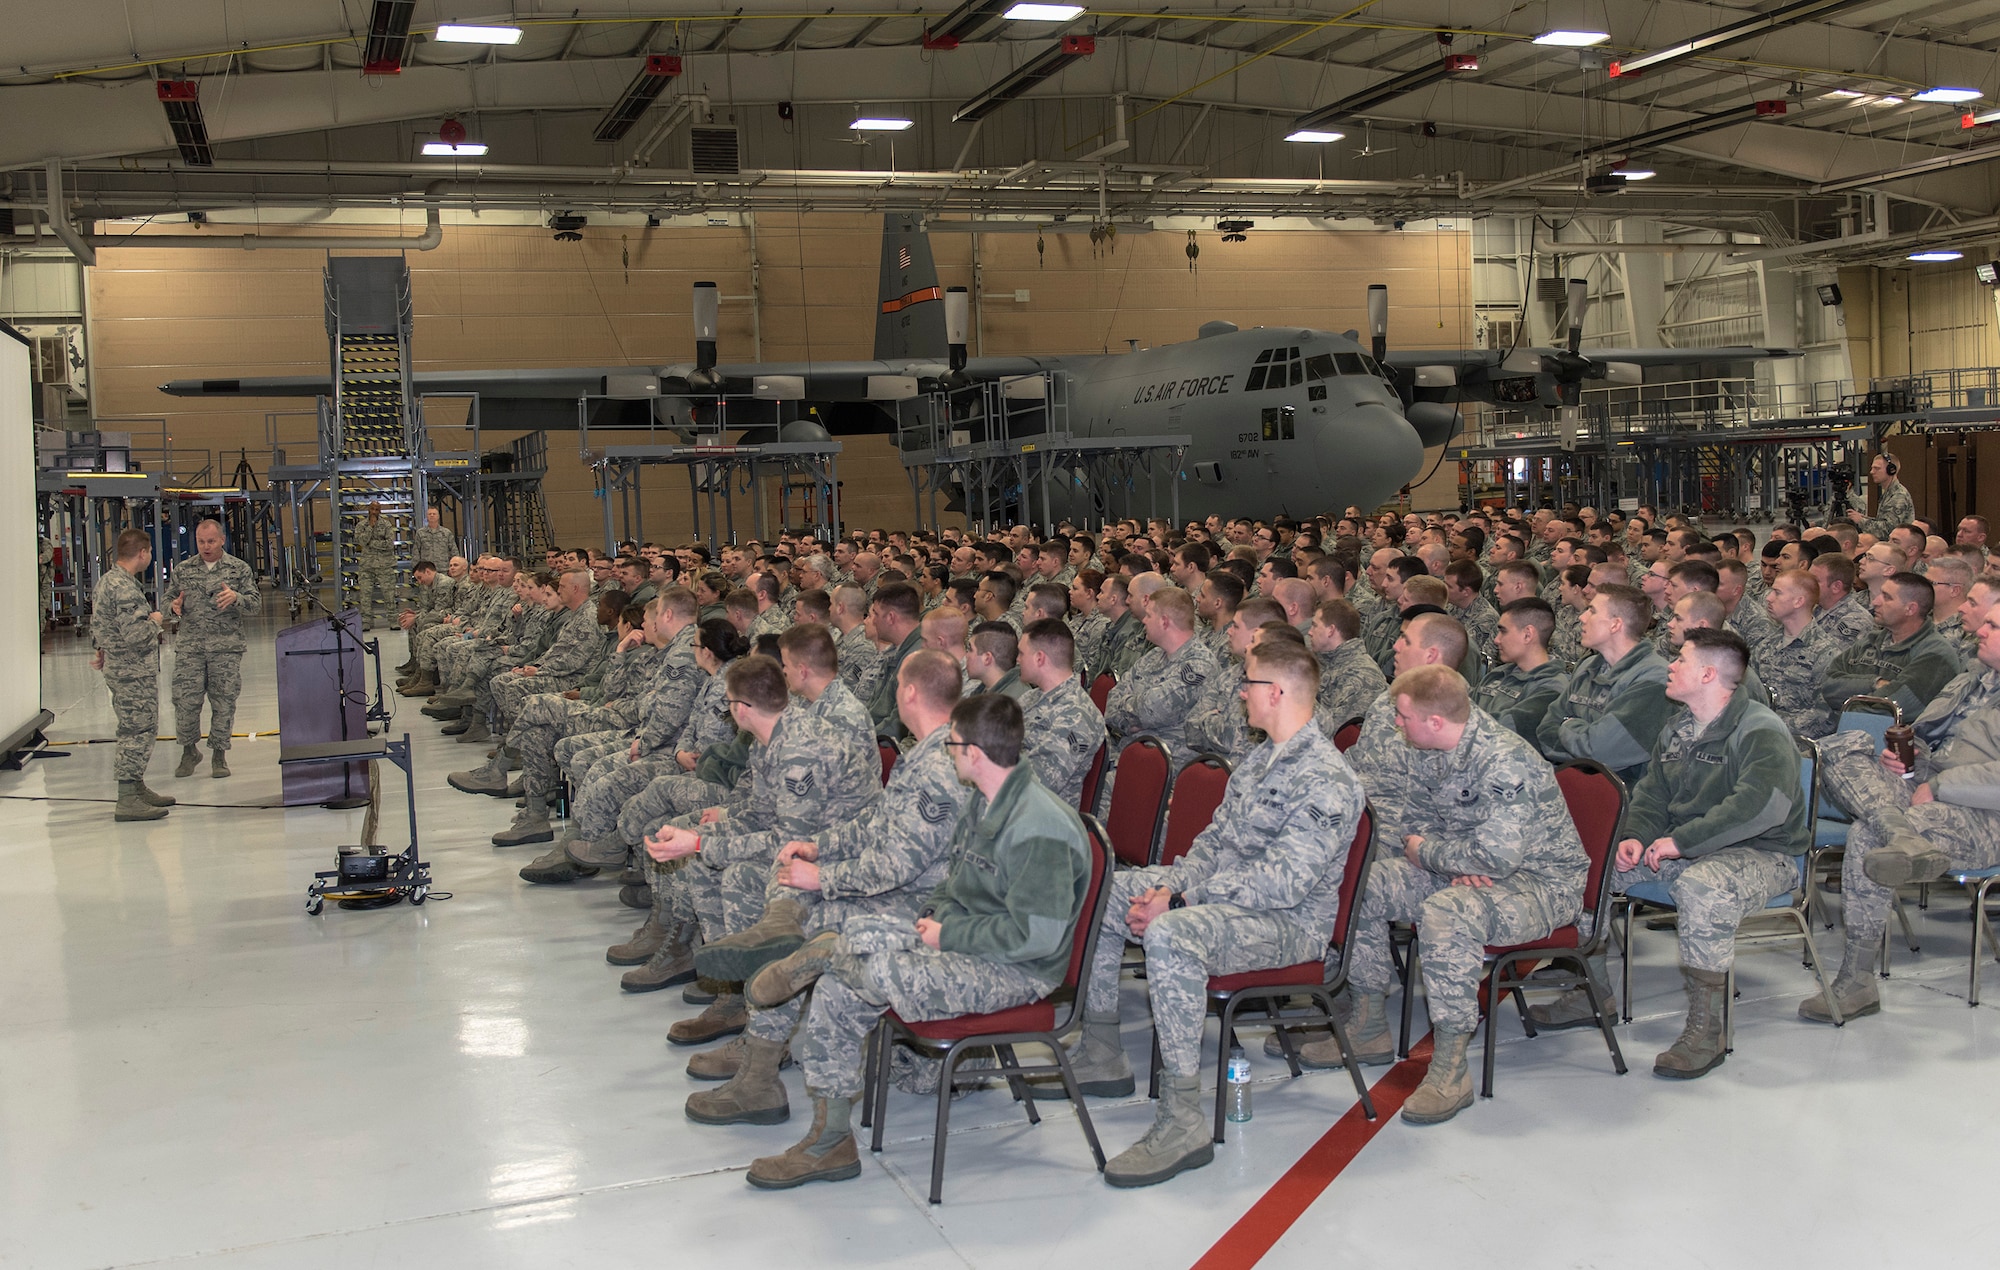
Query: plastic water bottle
(1238,1090)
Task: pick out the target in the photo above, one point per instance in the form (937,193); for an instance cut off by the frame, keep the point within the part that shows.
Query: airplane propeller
(1435,421)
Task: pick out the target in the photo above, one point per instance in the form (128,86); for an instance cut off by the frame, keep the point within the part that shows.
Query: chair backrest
(1346,735)
(1087,802)
(1100,689)
(1353,878)
(1083,943)
(1596,802)
(1138,799)
(1198,791)
(889,753)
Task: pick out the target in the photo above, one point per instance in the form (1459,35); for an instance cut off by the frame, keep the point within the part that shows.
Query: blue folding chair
(1792,909)
(1979,882)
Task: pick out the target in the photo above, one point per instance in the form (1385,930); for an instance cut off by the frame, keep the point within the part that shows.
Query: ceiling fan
(1368,146)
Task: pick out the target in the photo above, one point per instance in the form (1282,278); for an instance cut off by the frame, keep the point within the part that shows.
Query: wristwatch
(1176,900)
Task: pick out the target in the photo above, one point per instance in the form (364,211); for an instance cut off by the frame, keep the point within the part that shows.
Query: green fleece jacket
(1734,783)
(1020,871)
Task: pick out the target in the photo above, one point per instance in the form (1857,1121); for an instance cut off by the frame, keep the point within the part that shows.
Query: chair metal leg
(868,1079)
(1903,917)
(1076,1101)
(943,1122)
(1222,1064)
(884,1041)
(1409,1000)
(1819,971)
(1982,928)
(1017,1083)
(1625,960)
(1492,1016)
(1284,1035)
(1729,1009)
(1353,1065)
(1597,1003)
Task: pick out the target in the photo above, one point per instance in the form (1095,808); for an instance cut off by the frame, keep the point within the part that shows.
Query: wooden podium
(323,698)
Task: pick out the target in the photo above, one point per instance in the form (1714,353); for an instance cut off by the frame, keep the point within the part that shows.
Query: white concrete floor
(192,1068)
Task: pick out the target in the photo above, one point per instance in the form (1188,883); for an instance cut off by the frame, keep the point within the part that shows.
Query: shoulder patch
(1193,676)
(934,810)
(800,784)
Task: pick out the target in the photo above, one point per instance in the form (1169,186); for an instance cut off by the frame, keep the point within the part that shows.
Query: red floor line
(1244,1244)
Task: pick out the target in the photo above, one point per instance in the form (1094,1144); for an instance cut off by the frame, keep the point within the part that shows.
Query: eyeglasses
(1263,683)
(960,745)
(738,701)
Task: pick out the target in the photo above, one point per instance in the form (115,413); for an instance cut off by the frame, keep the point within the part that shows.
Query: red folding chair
(1346,735)
(1138,800)
(1277,989)
(1100,689)
(1042,1022)
(889,753)
(1198,791)
(1596,801)
(1087,802)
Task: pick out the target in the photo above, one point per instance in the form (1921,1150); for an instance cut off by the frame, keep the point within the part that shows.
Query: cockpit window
(1320,366)
(1351,363)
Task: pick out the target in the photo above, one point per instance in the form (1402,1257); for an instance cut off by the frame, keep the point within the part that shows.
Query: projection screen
(21,714)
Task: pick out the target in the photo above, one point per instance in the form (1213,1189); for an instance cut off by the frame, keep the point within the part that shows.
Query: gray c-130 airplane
(1282,419)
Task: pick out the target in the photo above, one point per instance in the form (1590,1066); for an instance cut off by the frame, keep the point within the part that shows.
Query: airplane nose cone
(1366,454)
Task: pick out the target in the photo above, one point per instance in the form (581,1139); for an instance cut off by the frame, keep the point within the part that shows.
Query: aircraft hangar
(644,272)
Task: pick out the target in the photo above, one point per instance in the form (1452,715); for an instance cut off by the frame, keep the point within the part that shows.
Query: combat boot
(723,1061)
(725,1016)
(608,852)
(154,796)
(475,732)
(754,1095)
(638,950)
(1368,1036)
(553,868)
(190,760)
(1699,1050)
(1098,1062)
(673,963)
(132,806)
(778,933)
(218,764)
(784,979)
(1854,988)
(478,780)
(639,897)
(828,1152)
(531,824)
(1904,859)
(702,991)
(1179,1140)
(1447,1087)
(426,685)
(1572,1008)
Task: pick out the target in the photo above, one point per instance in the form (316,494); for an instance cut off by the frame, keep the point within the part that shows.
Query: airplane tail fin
(910,322)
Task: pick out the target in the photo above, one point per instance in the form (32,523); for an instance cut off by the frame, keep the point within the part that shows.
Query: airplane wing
(1464,358)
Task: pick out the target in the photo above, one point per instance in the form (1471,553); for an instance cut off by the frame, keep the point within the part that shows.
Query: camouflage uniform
(435,544)
(882,863)
(1519,698)
(429,604)
(1261,885)
(1848,622)
(1124,644)
(1566,641)
(1612,714)
(577,650)
(1481,622)
(208,645)
(1792,669)
(1728,794)
(549,717)
(1008,910)
(1489,807)
(121,626)
(1063,732)
(469,600)
(1379,630)
(1218,724)
(772,621)
(1349,682)
(1158,695)
(1908,672)
(1753,622)
(1090,630)
(859,660)
(375,567)
(1963,641)
(819,768)
(1893,507)
(604,787)
(1958,755)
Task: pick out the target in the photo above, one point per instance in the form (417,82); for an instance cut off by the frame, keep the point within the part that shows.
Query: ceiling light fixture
(1844,94)
(1888,101)
(1950,94)
(466,33)
(1044,13)
(463,149)
(1935,257)
(868,123)
(1971,119)
(1634,174)
(1572,39)
(1314,135)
